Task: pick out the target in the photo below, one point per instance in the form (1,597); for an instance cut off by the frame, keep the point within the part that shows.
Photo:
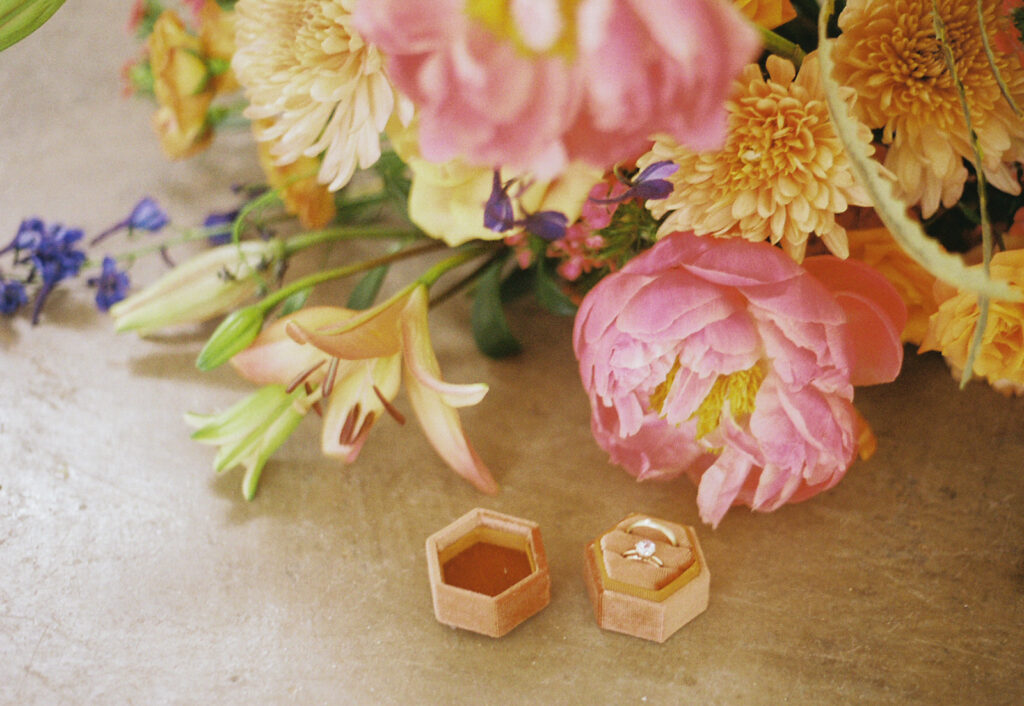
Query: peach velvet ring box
(488,572)
(646,577)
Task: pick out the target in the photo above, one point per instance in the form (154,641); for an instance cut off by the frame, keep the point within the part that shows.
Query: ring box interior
(488,572)
(639,597)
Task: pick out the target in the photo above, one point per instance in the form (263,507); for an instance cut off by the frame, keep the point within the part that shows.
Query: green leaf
(893,212)
(20,18)
(490,327)
(295,301)
(518,283)
(367,289)
(550,295)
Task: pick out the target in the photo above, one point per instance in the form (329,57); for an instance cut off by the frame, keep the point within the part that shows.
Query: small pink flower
(724,360)
(537,83)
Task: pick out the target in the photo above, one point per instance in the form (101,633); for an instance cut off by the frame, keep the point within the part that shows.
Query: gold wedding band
(657,527)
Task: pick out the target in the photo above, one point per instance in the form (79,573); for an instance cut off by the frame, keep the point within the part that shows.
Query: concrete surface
(130,573)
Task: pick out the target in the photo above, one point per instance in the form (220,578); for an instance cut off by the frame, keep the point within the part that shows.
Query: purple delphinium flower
(651,183)
(219,225)
(499,215)
(12,296)
(51,252)
(111,285)
(146,215)
(549,225)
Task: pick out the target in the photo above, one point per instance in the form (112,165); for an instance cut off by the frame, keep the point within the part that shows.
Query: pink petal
(721,483)
(374,333)
(275,358)
(439,420)
(875,316)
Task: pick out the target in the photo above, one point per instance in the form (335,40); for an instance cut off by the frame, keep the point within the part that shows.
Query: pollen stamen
(332,376)
(388,407)
(302,377)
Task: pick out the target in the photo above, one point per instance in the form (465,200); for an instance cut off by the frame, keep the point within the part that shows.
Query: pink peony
(532,86)
(725,360)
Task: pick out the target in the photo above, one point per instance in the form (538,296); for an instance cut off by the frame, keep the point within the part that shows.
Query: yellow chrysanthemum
(781,175)
(890,55)
(323,89)
(1001,356)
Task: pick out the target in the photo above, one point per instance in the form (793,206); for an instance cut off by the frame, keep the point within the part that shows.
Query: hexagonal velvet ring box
(646,577)
(488,572)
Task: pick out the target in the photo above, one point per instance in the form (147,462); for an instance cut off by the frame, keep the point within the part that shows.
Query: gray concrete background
(130,573)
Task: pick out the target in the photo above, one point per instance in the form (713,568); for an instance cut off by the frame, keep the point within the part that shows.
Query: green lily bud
(208,285)
(234,335)
(250,432)
(20,18)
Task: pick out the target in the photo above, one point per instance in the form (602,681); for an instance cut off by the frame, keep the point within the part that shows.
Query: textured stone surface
(129,573)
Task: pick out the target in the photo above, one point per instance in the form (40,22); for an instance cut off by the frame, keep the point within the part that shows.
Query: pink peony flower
(725,360)
(533,84)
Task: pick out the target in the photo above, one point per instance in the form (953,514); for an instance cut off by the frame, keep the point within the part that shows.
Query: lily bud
(205,286)
(234,335)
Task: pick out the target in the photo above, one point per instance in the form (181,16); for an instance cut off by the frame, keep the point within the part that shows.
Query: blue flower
(219,224)
(549,225)
(12,296)
(111,285)
(651,183)
(52,253)
(147,215)
(30,234)
(499,215)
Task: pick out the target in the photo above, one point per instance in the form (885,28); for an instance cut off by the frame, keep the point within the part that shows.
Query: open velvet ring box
(646,577)
(488,572)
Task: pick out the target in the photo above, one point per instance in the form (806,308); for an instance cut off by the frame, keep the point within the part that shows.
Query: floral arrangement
(749,206)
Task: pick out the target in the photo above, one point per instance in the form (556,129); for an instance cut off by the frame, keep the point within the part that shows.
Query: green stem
(327,235)
(777,44)
(434,273)
(270,301)
(979,167)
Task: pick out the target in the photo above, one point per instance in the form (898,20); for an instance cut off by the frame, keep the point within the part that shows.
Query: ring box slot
(488,572)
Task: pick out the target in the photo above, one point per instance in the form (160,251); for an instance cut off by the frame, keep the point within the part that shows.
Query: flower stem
(777,44)
(316,237)
(312,280)
(434,273)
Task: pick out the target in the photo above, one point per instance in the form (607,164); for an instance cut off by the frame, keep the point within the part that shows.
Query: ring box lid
(488,572)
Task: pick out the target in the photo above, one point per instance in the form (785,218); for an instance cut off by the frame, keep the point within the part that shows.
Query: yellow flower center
(551,28)
(739,389)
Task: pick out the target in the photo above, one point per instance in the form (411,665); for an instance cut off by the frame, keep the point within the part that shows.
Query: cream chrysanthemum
(889,53)
(323,89)
(781,175)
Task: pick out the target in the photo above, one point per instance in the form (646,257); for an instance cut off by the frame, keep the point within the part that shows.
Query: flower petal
(439,420)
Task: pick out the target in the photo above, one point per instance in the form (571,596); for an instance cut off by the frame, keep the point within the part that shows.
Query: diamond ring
(650,523)
(643,550)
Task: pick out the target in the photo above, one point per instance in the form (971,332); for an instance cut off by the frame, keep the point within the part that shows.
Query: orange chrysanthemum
(890,55)
(323,89)
(781,175)
(767,13)
(1001,356)
(876,247)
